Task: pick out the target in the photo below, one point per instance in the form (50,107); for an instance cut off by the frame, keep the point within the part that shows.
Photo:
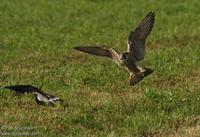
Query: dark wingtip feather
(76,48)
(80,49)
(7,87)
(151,14)
(16,88)
(151,19)
(11,87)
(22,88)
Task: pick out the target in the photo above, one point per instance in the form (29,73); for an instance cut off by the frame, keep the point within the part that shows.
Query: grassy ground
(36,40)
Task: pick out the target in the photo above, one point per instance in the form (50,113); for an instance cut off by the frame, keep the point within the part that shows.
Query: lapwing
(40,97)
(135,51)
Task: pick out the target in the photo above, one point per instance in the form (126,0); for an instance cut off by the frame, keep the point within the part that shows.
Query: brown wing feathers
(95,50)
(147,25)
(144,28)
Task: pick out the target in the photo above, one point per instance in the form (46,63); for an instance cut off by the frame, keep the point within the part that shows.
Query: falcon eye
(125,55)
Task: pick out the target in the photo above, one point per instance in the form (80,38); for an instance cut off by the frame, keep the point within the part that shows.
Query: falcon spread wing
(101,51)
(136,40)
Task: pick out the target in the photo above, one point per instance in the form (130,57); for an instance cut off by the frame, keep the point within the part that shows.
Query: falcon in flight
(135,51)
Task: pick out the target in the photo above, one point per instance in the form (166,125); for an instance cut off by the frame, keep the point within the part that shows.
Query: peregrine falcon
(135,51)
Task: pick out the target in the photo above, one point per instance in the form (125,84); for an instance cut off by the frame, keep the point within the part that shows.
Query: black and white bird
(41,97)
(135,51)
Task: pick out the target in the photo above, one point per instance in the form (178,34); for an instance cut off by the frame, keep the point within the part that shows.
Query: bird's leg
(133,79)
(131,76)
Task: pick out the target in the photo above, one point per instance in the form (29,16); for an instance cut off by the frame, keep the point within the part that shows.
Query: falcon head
(124,57)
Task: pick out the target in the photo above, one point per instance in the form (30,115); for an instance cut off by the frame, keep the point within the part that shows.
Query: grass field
(36,47)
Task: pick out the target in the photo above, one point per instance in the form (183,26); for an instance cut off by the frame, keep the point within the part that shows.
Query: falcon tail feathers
(136,78)
(147,71)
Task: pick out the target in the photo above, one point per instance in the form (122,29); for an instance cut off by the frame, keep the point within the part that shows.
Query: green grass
(36,47)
